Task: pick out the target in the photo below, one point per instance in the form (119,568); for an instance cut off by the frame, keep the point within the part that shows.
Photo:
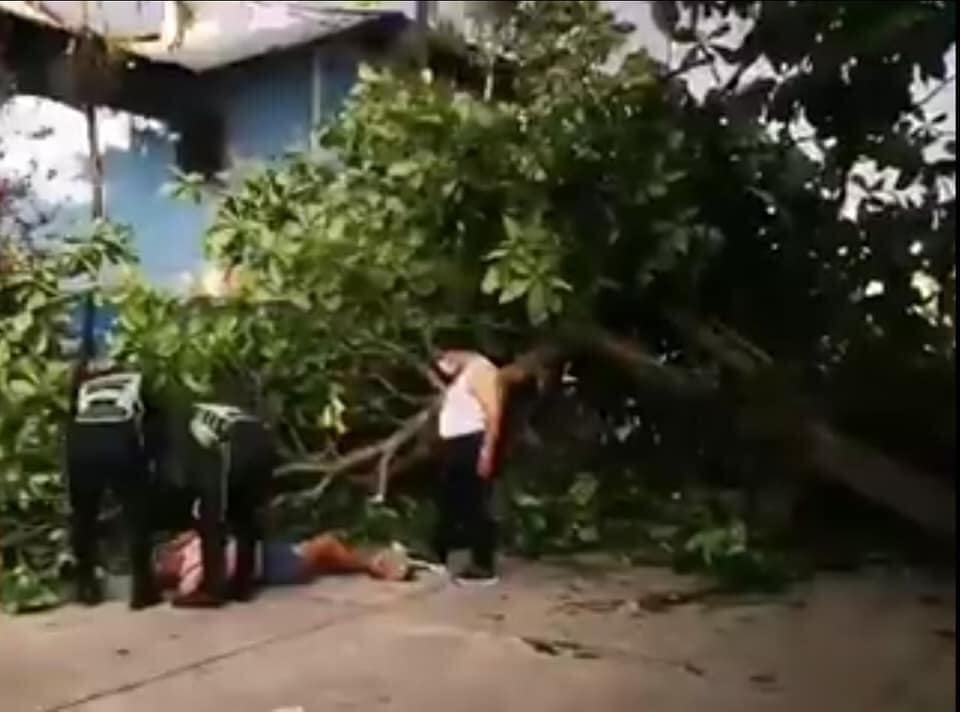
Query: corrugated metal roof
(218,33)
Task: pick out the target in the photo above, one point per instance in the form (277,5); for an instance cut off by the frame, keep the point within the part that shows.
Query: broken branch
(916,496)
(384,452)
(363,455)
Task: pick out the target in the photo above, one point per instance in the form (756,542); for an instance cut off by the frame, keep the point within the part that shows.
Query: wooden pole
(96,161)
(96,203)
(87,345)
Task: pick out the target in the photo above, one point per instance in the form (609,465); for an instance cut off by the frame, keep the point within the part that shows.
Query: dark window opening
(201,145)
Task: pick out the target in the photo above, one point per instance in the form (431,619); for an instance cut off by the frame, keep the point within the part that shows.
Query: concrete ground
(547,638)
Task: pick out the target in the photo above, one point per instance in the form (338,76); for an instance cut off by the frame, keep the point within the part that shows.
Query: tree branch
(392,444)
(396,392)
(532,364)
(914,495)
(731,84)
(638,362)
(721,342)
(686,66)
(363,455)
(933,93)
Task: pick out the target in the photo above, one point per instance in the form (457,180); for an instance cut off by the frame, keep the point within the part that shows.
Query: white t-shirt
(461,412)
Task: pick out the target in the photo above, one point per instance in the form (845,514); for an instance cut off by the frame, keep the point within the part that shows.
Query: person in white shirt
(469,428)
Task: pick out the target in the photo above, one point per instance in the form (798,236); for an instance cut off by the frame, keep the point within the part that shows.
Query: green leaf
(513,290)
(424,287)
(583,490)
(403,169)
(491,280)
(336,229)
(538,522)
(20,389)
(195,385)
(511,227)
(588,534)
(22,322)
(527,501)
(537,308)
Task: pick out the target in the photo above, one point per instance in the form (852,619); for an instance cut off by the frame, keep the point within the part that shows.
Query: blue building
(241,81)
(254,112)
(244,84)
(248,91)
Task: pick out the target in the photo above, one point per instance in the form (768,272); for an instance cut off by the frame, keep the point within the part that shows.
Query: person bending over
(110,445)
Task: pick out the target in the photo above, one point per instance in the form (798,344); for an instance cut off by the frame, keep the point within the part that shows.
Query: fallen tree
(381,457)
(920,498)
(588,213)
(618,207)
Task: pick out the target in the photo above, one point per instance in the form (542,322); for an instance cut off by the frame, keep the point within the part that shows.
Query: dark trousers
(465,503)
(102,456)
(231,481)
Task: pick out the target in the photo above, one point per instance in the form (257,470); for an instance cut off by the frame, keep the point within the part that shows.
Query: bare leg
(325,554)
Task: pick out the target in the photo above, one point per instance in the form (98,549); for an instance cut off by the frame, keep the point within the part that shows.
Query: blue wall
(338,75)
(266,104)
(167,231)
(267,108)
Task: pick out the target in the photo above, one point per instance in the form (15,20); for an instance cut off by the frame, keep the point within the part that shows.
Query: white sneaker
(476,576)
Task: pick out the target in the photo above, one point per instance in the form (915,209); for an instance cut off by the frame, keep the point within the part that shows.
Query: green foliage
(551,521)
(845,71)
(726,553)
(833,185)
(580,187)
(40,290)
(405,230)
(847,67)
(694,530)
(189,187)
(608,197)
(24,590)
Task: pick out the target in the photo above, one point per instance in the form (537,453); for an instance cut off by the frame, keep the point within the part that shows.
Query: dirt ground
(548,637)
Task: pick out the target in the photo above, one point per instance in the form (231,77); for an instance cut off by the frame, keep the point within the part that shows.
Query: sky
(47,139)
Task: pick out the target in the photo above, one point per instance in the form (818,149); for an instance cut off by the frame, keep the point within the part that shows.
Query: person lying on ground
(179,564)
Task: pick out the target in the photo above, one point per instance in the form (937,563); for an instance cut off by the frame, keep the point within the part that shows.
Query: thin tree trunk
(87,345)
(422,28)
(96,161)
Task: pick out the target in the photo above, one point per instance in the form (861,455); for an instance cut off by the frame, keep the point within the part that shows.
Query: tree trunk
(87,345)
(919,497)
(916,496)
(96,161)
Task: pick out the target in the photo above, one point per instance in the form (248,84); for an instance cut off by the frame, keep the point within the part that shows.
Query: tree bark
(913,495)
(916,496)
(87,345)
(96,161)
